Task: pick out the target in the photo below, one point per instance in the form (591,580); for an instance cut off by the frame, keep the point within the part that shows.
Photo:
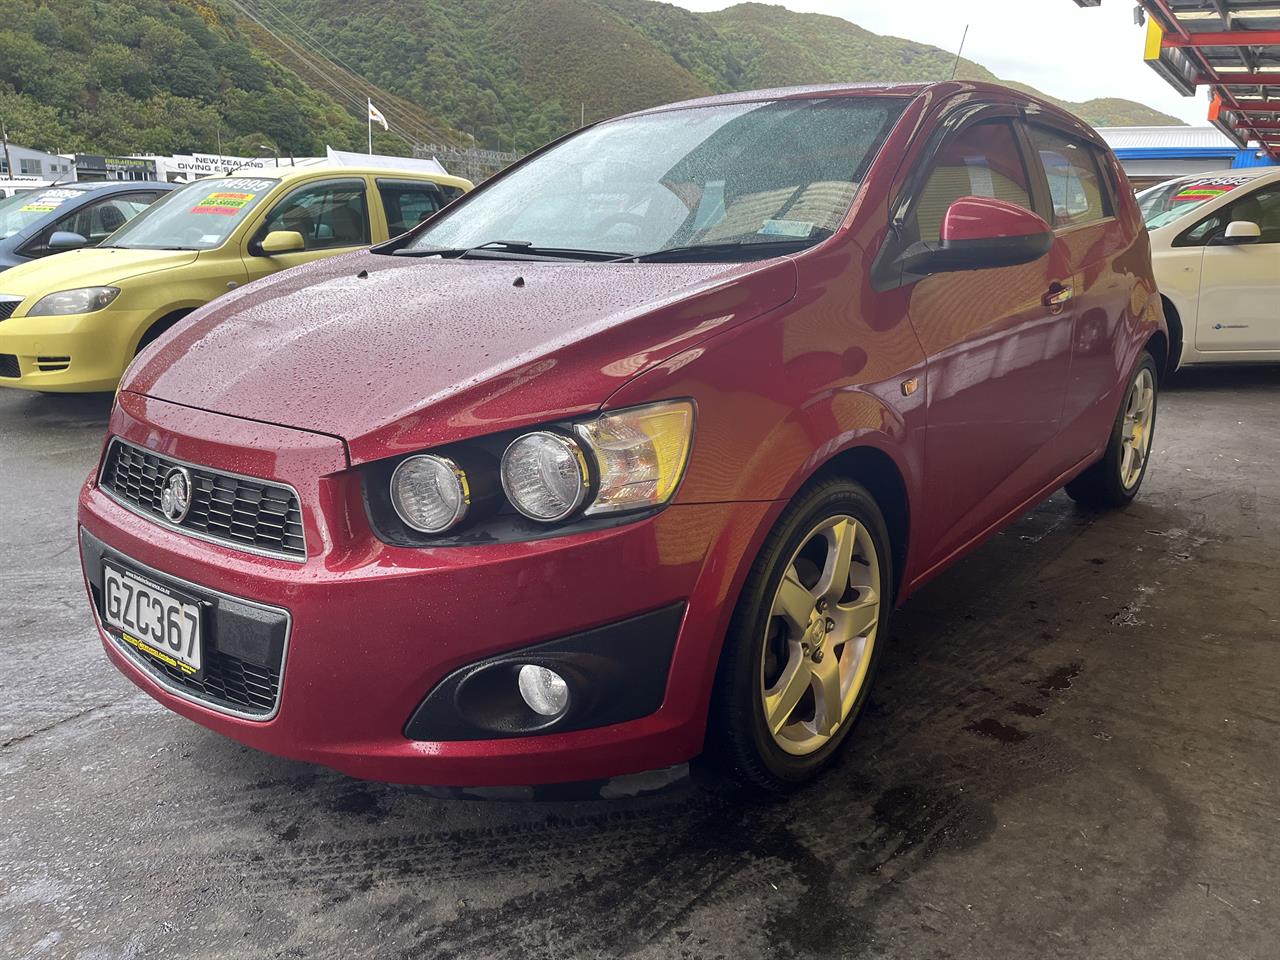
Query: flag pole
(369,119)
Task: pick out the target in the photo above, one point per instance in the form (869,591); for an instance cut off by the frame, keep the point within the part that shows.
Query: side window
(1261,207)
(1075,181)
(980,161)
(95,221)
(407,204)
(328,215)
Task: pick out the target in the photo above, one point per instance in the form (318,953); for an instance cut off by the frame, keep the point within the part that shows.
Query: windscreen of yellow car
(23,209)
(199,216)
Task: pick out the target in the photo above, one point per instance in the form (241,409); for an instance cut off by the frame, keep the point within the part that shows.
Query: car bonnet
(394,355)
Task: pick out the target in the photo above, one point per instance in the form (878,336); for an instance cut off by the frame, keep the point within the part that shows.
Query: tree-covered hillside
(175,75)
(154,76)
(516,72)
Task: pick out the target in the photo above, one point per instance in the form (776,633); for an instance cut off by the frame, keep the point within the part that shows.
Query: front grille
(228,681)
(7,307)
(238,511)
(9,365)
(52,364)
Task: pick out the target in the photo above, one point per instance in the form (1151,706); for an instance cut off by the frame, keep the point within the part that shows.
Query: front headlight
(640,454)
(572,475)
(430,494)
(81,300)
(544,475)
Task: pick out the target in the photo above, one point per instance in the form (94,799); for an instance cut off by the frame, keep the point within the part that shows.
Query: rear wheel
(805,639)
(1114,480)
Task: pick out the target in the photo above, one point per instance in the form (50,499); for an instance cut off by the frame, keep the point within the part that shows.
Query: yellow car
(70,323)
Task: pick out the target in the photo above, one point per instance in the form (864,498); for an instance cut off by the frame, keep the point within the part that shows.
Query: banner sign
(203,164)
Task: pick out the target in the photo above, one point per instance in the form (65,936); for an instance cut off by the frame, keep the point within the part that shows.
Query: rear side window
(407,204)
(980,161)
(1075,180)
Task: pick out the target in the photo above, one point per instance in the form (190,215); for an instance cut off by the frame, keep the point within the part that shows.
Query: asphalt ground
(1072,751)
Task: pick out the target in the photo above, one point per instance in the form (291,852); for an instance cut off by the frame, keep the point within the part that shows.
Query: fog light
(543,690)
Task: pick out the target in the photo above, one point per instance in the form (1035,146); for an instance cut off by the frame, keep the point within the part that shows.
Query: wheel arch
(876,470)
(158,326)
(1158,346)
(1172,345)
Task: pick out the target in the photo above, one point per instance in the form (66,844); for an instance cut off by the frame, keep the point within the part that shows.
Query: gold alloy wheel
(1135,432)
(820,634)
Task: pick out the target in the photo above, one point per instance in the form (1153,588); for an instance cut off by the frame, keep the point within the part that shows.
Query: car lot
(1071,750)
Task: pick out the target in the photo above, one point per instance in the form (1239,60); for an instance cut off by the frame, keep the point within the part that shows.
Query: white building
(33,164)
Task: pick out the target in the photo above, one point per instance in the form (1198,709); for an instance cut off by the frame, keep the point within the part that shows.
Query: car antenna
(955,66)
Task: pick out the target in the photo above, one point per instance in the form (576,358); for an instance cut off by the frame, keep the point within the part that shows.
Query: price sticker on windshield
(1199,191)
(49,200)
(224,202)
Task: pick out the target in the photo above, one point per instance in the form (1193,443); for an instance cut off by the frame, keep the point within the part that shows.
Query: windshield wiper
(729,251)
(510,250)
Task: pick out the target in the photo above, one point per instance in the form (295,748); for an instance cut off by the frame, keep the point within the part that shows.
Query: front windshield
(199,216)
(741,173)
(1167,202)
(23,209)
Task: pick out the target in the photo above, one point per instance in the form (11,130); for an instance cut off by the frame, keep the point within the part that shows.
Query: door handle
(1057,295)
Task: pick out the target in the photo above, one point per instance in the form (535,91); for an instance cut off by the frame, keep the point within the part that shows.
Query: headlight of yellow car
(81,300)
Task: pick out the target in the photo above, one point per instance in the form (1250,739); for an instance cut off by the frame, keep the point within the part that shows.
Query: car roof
(109,185)
(288,174)
(1242,173)
(809,91)
(941,89)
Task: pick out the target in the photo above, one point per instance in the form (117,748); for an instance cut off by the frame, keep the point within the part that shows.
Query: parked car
(632,450)
(35,223)
(76,320)
(9,188)
(1215,248)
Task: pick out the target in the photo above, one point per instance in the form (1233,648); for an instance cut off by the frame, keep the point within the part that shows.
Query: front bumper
(375,628)
(77,353)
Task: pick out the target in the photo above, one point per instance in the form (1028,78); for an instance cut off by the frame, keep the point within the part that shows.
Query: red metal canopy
(1231,46)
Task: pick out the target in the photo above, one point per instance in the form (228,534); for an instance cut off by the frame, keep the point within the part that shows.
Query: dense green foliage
(174,75)
(516,72)
(152,76)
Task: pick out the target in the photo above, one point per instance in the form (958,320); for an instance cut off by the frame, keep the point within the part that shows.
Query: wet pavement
(1073,751)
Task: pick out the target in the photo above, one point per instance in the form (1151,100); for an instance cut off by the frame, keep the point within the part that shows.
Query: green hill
(185,75)
(516,72)
(157,76)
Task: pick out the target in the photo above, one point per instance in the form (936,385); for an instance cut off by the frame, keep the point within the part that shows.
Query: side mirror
(1242,231)
(66,240)
(282,241)
(979,233)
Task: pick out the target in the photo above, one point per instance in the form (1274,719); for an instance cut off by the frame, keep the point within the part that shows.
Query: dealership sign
(202,164)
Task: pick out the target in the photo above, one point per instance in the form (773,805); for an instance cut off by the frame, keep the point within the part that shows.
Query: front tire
(805,639)
(1114,480)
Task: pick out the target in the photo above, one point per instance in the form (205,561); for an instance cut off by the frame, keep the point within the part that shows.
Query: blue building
(1152,154)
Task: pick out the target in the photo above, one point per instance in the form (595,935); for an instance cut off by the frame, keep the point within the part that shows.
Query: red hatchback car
(630,452)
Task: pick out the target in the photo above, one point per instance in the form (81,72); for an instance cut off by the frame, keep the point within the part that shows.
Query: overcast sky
(1068,52)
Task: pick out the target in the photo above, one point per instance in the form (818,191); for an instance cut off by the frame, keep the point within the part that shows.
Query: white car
(1215,247)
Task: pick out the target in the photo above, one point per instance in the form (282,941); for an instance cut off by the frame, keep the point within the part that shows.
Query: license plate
(152,619)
